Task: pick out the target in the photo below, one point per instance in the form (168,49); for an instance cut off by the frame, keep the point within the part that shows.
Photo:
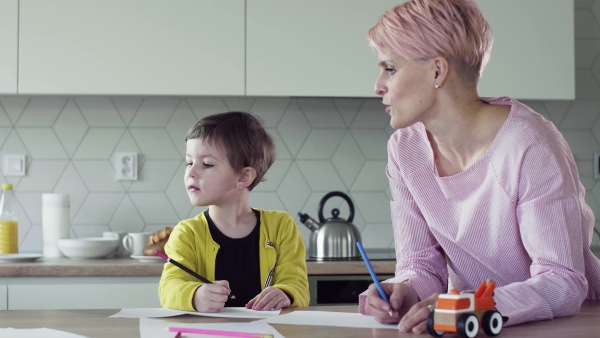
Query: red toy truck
(465,313)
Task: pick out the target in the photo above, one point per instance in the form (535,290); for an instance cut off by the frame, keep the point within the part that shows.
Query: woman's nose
(380,89)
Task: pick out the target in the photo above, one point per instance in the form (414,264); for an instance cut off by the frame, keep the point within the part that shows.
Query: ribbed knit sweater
(517,215)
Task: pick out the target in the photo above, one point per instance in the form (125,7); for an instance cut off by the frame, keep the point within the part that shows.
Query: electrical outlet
(126,166)
(14,165)
(597,165)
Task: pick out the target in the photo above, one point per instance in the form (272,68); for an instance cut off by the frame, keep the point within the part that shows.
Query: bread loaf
(157,241)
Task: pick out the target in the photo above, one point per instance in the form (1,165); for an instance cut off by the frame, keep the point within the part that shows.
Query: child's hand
(211,297)
(269,299)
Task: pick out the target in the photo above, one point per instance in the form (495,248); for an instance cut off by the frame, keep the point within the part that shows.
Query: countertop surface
(119,267)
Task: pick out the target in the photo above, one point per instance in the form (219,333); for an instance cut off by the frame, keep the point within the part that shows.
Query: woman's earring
(437,86)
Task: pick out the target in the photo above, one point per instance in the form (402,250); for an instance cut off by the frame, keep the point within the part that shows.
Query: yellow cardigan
(281,250)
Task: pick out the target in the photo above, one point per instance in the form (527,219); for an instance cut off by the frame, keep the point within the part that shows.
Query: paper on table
(36,333)
(228,312)
(147,313)
(158,328)
(327,318)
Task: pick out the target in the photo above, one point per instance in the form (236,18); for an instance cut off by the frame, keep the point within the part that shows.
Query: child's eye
(390,70)
(188,164)
(207,165)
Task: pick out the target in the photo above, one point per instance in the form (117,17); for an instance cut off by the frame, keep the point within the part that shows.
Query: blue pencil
(373,275)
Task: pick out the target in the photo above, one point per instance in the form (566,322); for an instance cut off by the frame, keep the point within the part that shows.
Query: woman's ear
(440,65)
(246,178)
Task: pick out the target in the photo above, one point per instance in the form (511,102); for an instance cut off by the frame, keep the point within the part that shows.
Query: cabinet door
(533,56)
(8,41)
(319,48)
(3,297)
(154,47)
(312,47)
(82,296)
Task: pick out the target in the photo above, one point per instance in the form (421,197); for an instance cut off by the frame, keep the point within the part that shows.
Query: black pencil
(184,268)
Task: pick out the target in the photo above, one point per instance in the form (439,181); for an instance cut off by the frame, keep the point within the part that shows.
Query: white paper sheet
(228,312)
(326,318)
(147,313)
(36,333)
(158,328)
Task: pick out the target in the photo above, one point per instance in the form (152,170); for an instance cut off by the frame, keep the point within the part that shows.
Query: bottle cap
(7,186)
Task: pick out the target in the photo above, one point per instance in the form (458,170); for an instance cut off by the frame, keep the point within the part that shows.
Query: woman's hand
(211,297)
(269,299)
(415,320)
(402,297)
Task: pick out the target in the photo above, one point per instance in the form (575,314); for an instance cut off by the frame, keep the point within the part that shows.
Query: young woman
(256,255)
(481,187)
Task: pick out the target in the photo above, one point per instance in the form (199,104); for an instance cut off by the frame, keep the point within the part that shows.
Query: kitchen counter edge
(118,267)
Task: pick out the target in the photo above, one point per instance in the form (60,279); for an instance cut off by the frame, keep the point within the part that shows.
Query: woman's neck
(462,131)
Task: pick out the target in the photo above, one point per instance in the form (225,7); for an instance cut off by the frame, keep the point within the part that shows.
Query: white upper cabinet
(311,47)
(533,56)
(319,48)
(131,47)
(255,47)
(8,41)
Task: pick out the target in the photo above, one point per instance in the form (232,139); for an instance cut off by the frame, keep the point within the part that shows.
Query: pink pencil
(220,333)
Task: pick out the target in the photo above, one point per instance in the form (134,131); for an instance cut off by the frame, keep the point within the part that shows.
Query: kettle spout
(309,222)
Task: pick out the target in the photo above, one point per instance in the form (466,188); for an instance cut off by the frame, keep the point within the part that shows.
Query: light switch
(14,165)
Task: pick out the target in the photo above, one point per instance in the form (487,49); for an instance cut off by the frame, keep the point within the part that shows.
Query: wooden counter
(96,324)
(65,267)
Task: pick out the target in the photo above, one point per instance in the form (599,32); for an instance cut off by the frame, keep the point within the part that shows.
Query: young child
(255,258)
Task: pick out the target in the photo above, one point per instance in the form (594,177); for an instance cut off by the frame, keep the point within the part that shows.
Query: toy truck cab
(465,313)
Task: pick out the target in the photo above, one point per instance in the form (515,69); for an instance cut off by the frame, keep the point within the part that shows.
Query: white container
(88,248)
(119,236)
(55,222)
(135,242)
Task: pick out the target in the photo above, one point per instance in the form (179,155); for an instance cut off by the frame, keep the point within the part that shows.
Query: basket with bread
(157,241)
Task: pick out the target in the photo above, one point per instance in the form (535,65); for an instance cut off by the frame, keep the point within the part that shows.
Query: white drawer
(81,296)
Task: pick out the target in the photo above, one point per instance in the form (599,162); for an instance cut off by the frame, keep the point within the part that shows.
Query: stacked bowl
(88,248)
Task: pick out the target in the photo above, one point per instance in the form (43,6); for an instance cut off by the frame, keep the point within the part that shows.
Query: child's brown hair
(244,138)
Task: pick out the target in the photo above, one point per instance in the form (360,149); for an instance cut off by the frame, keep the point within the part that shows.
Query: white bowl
(87,248)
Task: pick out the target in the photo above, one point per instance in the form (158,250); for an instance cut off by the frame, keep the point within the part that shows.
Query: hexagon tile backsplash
(71,142)
(324,144)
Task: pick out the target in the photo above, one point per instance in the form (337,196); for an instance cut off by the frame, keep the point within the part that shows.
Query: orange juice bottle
(9,225)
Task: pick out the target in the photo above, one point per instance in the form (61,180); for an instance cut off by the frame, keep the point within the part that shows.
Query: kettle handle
(340,194)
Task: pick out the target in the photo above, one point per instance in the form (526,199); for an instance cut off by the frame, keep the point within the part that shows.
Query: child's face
(209,178)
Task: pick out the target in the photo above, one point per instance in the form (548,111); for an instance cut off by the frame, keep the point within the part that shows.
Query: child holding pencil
(256,255)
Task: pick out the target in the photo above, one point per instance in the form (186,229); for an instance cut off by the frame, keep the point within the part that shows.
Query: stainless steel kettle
(333,238)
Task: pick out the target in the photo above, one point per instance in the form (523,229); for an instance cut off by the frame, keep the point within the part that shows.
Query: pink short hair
(424,29)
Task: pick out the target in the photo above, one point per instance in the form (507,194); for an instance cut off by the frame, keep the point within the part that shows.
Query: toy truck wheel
(467,326)
(492,323)
(430,329)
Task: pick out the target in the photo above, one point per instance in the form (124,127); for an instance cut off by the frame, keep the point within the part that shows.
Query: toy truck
(465,313)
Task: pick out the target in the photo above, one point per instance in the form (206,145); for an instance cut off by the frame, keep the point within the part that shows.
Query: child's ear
(246,177)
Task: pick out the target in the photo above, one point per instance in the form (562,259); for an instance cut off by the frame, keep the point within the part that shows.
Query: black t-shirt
(238,262)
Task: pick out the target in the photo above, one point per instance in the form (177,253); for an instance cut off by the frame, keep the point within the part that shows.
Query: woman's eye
(390,71)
